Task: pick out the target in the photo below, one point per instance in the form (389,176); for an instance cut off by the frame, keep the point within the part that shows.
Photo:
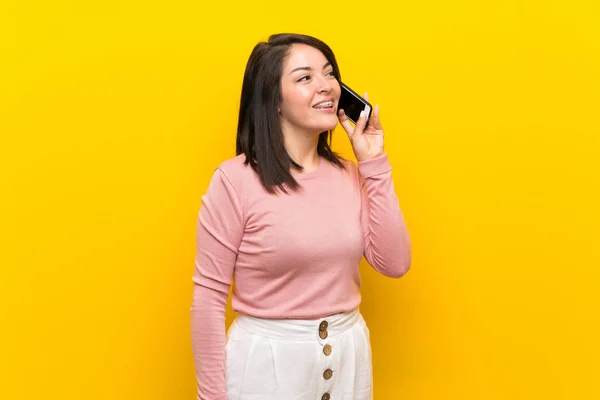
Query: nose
(324,85)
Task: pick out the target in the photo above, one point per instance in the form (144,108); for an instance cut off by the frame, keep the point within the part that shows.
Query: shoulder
(234,167)
(235,172)
(350,169)
(348,164)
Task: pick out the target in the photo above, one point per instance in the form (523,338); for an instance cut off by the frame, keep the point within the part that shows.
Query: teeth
(324,104)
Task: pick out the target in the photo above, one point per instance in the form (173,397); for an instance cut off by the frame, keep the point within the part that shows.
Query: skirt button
(323,326)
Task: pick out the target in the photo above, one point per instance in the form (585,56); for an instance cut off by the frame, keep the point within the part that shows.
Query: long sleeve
(219,233)
(387,241)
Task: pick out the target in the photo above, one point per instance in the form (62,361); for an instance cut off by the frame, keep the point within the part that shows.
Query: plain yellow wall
(114,114)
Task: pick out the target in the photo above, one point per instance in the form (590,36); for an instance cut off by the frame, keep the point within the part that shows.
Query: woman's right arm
(219,233)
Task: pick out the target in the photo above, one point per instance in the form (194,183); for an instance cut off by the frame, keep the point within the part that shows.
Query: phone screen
(353,104)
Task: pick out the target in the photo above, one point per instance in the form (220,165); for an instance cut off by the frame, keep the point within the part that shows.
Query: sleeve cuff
(375,166)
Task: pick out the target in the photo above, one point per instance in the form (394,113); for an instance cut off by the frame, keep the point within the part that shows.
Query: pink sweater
(291,256)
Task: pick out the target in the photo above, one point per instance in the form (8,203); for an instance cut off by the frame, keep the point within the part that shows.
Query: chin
(327,126)
(324,128)
(316,126)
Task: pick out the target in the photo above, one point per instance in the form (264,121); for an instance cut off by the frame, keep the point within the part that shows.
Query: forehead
(303,55)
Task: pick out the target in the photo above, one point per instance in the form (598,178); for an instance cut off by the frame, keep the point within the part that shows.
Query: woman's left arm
(387,245)
(387,242)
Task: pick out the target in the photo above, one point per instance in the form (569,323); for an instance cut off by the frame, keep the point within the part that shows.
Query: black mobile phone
(353,104)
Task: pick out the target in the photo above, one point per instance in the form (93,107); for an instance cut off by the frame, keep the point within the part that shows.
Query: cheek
(297,100)
(337,90)
(304,95)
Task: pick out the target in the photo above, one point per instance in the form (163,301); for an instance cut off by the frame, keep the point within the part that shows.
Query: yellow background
(114,114)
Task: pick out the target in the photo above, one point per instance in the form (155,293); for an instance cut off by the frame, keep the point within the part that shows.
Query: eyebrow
(308,68)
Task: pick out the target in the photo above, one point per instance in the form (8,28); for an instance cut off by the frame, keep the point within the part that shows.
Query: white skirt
(322,359)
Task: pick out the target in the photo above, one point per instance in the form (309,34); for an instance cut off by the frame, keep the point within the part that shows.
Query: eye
(302,78)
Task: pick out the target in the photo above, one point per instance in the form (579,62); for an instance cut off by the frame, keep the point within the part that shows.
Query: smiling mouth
(325,104)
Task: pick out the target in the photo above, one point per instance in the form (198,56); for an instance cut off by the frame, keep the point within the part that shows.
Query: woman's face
(309,91)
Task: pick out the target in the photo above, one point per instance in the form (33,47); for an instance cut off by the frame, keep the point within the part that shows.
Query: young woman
(289,220)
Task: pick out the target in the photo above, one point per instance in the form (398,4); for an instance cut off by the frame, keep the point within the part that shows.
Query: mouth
(324,105)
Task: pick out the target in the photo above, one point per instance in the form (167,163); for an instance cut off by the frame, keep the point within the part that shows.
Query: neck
(302,148)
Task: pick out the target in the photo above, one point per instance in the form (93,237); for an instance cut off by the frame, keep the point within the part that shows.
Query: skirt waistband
(299,329)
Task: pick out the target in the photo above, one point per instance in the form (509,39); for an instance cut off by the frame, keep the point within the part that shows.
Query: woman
(288,220)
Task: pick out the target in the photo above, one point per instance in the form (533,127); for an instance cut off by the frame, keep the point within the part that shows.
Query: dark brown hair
(259,133)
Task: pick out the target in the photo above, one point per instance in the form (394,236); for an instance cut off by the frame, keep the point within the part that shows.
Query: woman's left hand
(367,143)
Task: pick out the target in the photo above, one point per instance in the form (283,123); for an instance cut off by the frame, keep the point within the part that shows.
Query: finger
(345,122)
(370,124)
(375,121)
(361,123)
